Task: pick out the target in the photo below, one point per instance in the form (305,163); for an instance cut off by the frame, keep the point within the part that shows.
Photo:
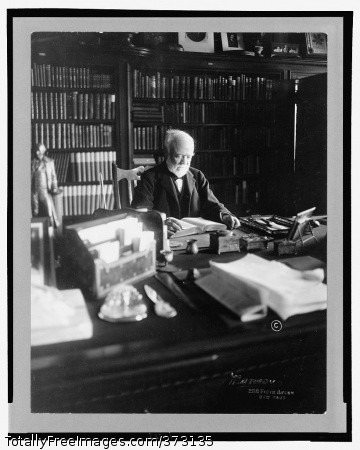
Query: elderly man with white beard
(177,189)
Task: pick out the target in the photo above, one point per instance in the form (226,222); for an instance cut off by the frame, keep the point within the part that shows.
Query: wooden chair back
(131,178)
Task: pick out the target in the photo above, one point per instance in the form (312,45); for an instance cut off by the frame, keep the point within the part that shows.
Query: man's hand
(173,225)
(230,221)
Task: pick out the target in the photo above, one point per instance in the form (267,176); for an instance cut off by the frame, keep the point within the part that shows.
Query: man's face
(179,159)
(40,152)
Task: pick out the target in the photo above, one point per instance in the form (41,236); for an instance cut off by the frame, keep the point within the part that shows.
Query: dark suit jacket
(156,191)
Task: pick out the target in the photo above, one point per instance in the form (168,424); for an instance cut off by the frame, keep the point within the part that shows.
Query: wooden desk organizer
(95,275)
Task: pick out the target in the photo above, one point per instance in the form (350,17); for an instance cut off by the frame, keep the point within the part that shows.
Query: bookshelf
(96,100)
(232,116)
(73,112)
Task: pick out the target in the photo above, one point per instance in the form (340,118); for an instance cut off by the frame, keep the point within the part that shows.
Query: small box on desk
(222,242)
(285,247)
(252,242)
(99,263)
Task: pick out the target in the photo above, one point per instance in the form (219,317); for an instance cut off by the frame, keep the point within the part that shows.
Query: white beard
(179,170)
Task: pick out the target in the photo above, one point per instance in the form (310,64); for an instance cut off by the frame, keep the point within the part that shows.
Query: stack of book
(147,112)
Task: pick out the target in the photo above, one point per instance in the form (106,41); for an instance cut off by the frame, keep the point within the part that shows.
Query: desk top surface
(123,361)
(190,331)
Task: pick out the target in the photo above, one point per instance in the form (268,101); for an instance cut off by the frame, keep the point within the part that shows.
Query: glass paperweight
(123,304)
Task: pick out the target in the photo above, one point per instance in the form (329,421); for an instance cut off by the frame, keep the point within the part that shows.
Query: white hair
(174,138)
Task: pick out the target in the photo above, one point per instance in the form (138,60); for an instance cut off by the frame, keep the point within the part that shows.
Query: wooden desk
(196,362)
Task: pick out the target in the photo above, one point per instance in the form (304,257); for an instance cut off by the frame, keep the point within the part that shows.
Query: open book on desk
(251,284)
(197,225)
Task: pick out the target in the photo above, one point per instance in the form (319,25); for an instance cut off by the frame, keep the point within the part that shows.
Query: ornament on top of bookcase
(284,50)
(131,42)
(259,46)
(197,42)
(160,42)
(129,39)
(316,45)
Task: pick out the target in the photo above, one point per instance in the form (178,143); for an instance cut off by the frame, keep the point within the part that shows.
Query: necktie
(179,183)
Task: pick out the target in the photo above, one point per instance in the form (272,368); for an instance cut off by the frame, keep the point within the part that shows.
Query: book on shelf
(83,166)
(144,161)
(48,75)
(147,112)
(222,87)
(69,135)
(197,225)
(112,107)
(208,113)
(78,167)
(97,105)
(84,199)
(63,166)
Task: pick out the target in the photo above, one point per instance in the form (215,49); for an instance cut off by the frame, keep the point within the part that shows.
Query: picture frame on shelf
(197,42)
(284,50)
(316,45)
(232,42)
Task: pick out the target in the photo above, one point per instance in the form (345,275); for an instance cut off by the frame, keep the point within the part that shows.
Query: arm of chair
(131,174)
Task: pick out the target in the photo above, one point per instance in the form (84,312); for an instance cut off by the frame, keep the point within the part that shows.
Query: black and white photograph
(232,41)
(193,256)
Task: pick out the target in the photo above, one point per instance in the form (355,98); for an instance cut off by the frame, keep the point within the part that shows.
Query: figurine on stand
(43,185)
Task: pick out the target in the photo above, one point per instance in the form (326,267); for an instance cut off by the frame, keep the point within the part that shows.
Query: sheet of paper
(58,316)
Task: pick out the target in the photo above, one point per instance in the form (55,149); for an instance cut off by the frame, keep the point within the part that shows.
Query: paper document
(58,316)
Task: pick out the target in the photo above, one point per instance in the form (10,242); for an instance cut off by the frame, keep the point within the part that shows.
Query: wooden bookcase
(232,118)
(240,113)
(73,112)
